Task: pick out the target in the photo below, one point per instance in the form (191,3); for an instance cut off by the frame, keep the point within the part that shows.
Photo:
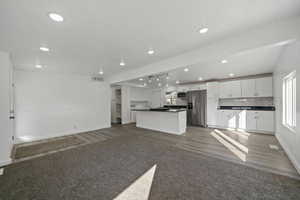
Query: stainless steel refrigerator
(196,113)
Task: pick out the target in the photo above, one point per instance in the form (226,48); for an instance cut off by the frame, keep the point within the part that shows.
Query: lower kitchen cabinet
(227,118)
(251,120)
(257,121)
(265,121)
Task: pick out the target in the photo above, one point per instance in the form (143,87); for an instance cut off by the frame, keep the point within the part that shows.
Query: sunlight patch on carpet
(140,188)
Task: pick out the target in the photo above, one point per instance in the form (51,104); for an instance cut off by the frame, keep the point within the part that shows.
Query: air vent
(98,79)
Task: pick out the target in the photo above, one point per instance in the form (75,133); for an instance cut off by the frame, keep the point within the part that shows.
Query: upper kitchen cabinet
(264,87)
(230,89)
(260,87)
(213,90)
(248,88)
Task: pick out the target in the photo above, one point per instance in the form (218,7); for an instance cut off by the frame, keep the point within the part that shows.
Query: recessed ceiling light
(101,72)
(141,79)
(231,74)
(177,82)
(122,63)
(46,49)
(150,80)
(56,17)
(224,61)
(200,79)
(157,79)
(145,84)
(186,69)
(159,84)
(167,77)
(150,51)
(203,30)
(38,66)
(167,85)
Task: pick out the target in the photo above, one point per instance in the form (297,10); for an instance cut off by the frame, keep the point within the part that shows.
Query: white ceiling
(97,34)
(251,62)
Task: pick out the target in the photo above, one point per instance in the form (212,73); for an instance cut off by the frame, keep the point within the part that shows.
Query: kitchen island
(164,120)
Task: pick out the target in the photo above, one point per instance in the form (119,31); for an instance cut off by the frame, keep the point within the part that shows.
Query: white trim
(6,162)
(289,90)
(292,129)
(71,132)
(289,153)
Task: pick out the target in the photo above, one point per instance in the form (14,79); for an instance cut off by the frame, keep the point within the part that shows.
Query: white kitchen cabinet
(256,121)
(264,87)
(251,121)
(232,119)
(213,90)
(225,90)
(227,119)
(230,89)
(265,121)
(248,88)
(260,87)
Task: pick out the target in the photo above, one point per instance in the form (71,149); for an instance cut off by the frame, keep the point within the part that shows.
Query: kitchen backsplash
(260,101)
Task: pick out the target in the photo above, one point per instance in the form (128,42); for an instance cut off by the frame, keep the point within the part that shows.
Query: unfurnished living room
(149,100)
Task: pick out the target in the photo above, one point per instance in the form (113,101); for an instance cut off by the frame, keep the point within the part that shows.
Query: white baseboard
(5,162)
(289,153)
(66,133)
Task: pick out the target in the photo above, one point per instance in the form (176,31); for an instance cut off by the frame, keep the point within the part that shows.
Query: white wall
(6,131)
(49,105)
(140,94)
(288,62)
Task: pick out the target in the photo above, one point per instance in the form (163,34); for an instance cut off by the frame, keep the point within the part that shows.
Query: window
(171,98)
(289,101)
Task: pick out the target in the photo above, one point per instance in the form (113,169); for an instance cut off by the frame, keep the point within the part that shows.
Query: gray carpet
(103,170)
(44,147)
